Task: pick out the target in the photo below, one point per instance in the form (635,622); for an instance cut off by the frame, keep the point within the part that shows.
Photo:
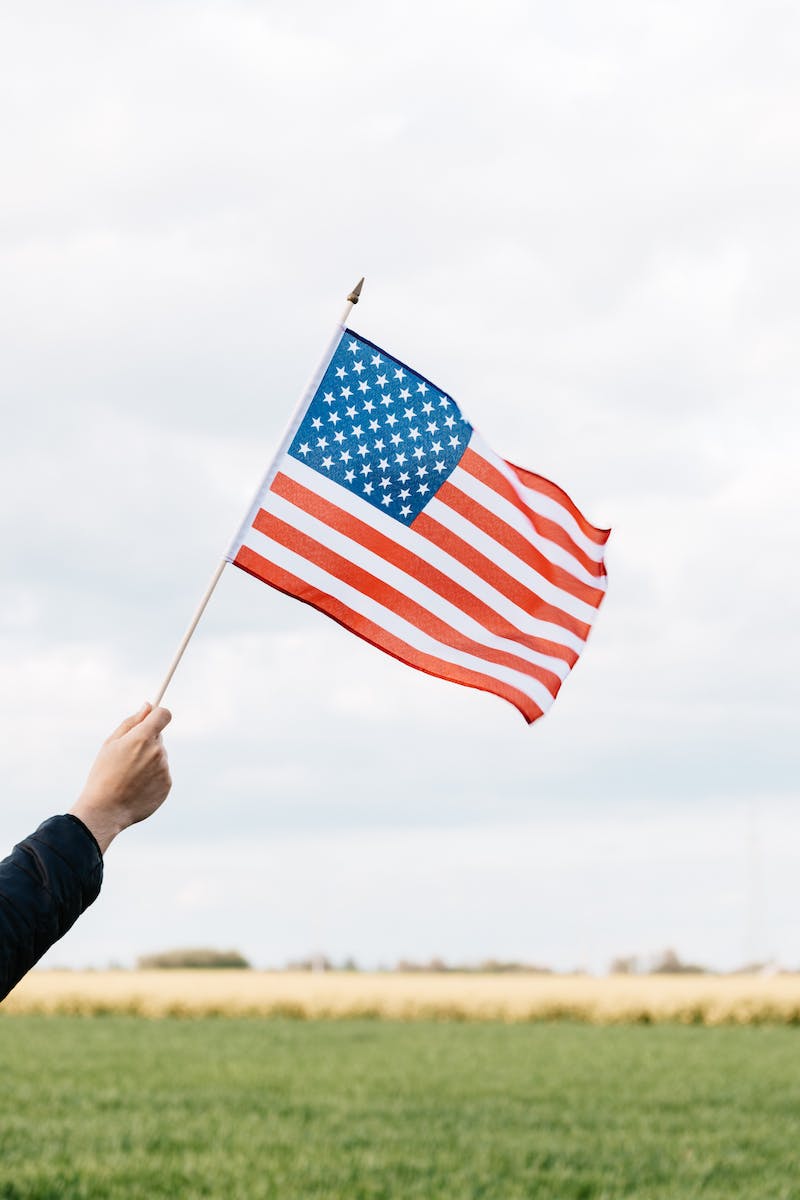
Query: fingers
(130,723)
(155,721)
(152,721)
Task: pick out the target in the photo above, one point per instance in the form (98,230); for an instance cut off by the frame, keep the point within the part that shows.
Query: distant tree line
(668,962)
(203,957)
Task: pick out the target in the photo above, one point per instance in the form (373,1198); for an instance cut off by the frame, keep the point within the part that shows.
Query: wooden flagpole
(291,429)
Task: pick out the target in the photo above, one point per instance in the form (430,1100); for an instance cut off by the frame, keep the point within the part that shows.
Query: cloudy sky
(581,221)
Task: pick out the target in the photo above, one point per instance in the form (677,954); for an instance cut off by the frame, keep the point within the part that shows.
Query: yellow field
(689,999)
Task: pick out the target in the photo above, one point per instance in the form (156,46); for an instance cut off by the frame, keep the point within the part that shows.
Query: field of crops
(122,1108)
(689,999)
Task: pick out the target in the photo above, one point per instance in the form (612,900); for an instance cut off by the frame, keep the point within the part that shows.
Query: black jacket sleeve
(45,884)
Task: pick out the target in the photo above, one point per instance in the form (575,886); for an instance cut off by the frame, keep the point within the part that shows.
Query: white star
(409,414)
(379,443)
(351,411)
(439,466)
(419,452)
(381,381)
(316,422)
(368,488)
(422,388)
(436,447)
(387,400)
(449,421)
(385,482)
(431,427)
(405,394)
(453,441)
(366,470)
(400,374)
(403,477)
(362,449)
(363,387)
(400,458)
(376,360)
(386,499)
(358,366)
(353,347)
(327,462)
(374,426)
(444,402)
(413,433)
(422,472)
(384,464)
(328,397)
(305,448)
(422,489)
(368,406)
(405,494)
(340,372)
(339,436)
(356,431)
(322,442)
(405,510)
(396,439)
(391,419)
(427,408)
(346,393)
(345,456)
(349,476)
(333,417)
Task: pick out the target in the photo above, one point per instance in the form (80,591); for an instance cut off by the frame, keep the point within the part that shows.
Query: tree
(202,957)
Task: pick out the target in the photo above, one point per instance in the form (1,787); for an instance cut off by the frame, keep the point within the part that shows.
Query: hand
(129,779)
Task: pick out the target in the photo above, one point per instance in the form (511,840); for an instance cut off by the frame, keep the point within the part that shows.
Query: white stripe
(410,540)
(489,499)
(541,504)
(407,585)
(366,607)
(509,562)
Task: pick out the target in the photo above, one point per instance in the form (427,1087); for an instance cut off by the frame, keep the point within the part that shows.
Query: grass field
(123,1107)
(690,999)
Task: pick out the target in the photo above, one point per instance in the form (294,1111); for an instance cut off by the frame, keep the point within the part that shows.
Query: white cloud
(546,890)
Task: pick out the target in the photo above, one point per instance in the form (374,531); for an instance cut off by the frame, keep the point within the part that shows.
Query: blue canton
(380,430)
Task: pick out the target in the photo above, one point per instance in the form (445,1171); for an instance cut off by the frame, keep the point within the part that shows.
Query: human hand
(129,779)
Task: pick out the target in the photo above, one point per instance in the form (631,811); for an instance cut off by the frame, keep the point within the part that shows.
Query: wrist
(103,823)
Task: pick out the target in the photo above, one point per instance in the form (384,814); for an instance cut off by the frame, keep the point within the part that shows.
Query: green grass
(122,1107)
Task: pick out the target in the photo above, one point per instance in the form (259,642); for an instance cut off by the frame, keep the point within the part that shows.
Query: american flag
(387,511)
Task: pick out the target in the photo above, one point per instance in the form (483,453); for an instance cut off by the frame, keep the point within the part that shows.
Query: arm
(45,884)
(51,877)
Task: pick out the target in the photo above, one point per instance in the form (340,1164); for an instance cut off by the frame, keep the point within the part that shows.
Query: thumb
(156,720)
(130,723)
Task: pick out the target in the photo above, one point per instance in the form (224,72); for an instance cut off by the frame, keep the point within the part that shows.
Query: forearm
(46,882)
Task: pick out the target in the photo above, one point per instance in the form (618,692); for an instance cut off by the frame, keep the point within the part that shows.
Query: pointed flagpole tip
(356,292)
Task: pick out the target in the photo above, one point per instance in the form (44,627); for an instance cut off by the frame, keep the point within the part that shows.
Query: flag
(386,510)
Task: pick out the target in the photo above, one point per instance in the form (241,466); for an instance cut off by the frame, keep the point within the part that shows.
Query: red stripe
(519,546)
(547,488)
(452,544)
(418,568)
(383,593)
(284,581)
(489,475)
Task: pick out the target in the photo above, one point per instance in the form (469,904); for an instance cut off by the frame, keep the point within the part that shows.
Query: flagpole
(285,441)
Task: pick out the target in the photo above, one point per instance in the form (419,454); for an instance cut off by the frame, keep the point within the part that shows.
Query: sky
(580,221)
